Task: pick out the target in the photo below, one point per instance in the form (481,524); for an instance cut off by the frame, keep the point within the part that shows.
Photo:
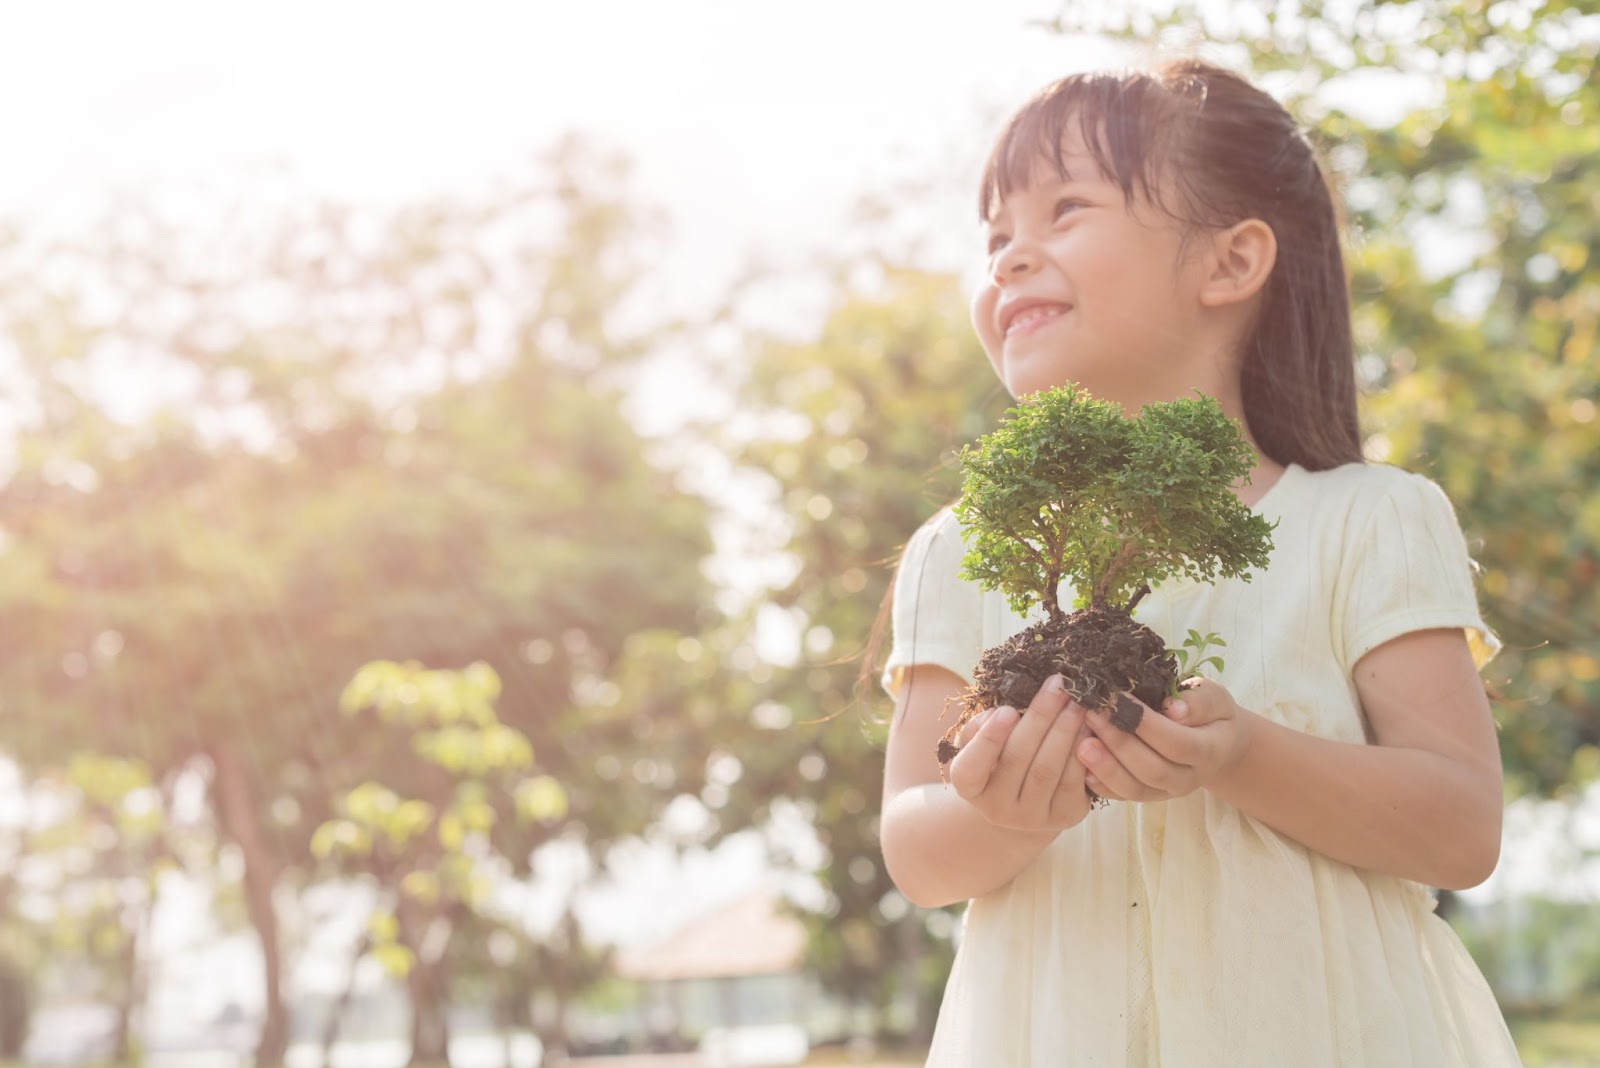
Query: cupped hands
(1022,770)
(1201,737)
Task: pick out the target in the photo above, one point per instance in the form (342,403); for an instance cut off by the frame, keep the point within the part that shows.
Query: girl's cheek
(982,310)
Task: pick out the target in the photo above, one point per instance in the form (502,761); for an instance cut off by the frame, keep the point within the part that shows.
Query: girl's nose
(1013,261)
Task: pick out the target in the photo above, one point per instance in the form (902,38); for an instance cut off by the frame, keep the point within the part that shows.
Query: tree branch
(1125,554)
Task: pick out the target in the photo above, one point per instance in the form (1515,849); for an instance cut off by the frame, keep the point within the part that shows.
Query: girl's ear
(1241,262)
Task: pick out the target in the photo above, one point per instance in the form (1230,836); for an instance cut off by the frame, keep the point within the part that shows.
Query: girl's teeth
(1032,315)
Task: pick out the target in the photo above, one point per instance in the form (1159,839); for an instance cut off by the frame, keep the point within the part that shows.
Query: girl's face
(1084,287)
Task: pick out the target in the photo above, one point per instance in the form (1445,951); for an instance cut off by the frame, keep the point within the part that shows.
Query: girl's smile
(1024,317)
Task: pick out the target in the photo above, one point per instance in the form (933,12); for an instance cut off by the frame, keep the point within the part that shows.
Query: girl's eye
(997,242)
(1066,205)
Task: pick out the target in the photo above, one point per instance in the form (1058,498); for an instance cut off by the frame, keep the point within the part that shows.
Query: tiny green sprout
(1191,658)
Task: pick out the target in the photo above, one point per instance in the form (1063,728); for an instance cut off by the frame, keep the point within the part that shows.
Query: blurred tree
(16,1008)
(22,937)
(1476,285)
(856,430)
(433,851)
(395,435)
(88,877)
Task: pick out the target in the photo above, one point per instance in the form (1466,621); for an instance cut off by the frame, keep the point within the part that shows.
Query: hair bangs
(1117,116)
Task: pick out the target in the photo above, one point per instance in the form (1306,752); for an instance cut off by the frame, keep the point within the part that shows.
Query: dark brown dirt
(1101,653)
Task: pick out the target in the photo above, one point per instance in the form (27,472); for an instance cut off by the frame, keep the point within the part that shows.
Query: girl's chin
(1020,384)
(1026,371)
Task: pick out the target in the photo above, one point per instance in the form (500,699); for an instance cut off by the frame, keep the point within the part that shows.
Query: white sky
(750,119)
(755,124)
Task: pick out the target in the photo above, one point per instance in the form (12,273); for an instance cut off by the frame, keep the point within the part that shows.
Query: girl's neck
(1263,476)
(1266,472)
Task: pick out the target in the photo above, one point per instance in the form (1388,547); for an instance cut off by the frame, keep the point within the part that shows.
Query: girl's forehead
(1067,157)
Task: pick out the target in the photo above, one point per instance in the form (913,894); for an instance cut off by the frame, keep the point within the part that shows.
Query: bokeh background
(453,456)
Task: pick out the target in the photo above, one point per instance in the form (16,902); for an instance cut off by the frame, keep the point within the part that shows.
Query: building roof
(752,936)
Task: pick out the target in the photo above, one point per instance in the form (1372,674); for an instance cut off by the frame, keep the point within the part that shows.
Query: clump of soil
(1101,653)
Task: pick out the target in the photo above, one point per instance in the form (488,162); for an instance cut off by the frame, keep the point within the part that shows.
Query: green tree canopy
(405,442)
(857,428)
(1069,487)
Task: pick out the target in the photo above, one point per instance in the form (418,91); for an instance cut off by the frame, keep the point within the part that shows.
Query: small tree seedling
(1191,658)
(1068,488)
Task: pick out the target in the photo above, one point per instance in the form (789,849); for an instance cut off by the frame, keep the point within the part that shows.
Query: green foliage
(1535,951)
(1069,487)
(434,850)
(83,872)
(419,455)
(856,429)
(1191,658)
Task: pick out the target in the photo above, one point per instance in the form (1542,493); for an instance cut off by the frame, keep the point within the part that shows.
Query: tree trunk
(132,987)
(122,1030)
(426,931)
(335,1020)
(511,1012)
(505,1021)
(16,989)
(430,1015)
(16,1009)
(236,811)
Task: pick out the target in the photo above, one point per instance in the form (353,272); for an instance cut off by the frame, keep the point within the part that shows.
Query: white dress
(1185,934)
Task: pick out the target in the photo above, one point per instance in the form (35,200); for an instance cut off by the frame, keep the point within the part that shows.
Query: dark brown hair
(1229,152)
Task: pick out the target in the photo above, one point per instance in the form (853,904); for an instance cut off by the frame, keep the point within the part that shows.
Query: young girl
(1255,894)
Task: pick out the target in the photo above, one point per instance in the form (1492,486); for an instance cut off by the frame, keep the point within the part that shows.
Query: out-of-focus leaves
(856,429)
(403,442)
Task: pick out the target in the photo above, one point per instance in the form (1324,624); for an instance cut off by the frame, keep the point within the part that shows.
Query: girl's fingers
(1100,789)
(974,766)
(1023,745)
(1199,701)
(1134,758)
(1051,759)
(1172,738)
(1115,781)
(972,726)
(1073,796)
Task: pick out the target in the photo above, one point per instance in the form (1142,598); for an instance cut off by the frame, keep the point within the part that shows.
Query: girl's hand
(1202,736)
(1023,771)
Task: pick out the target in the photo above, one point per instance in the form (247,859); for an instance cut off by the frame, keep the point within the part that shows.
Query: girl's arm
(939,845)
(1423,803)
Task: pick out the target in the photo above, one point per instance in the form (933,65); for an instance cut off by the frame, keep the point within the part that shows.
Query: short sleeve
(936,614)
(1409,571)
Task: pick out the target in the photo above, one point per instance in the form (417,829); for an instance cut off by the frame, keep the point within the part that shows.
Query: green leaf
(422,886)
(383,927)
(396,959)
(540,799)
(452,832)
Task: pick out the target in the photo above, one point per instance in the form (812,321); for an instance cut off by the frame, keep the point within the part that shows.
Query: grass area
(837,1058)
(1564,1038)
(1569,1036)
